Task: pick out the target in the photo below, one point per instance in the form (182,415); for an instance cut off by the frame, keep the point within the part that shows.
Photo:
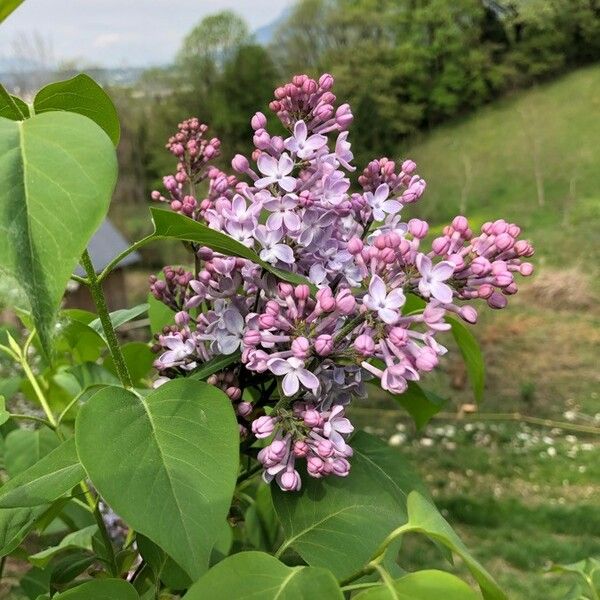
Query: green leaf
(45,481)
(79,378)
(424,518)
(82,95)
(261,525)
(160,314)
(67,568)
(171,467)
(168,224)
(422,585)
(162,565)
(4,414)
(77,540)
(472,355)
(7,6)
(339,523)
(9,108)
(588,571)
(100,589)
(25,447)
(413,304)
(57,174)
(214,365)
(420,404)
(139,359)
(120,317)
(256,575)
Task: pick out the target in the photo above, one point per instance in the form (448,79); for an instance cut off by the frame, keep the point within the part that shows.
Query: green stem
(32,418)
(107,326)
(117,259)
(38,391)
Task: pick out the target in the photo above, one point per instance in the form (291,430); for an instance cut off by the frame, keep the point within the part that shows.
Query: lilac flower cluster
(306,350)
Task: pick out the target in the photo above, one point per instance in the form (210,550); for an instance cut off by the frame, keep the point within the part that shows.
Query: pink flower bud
(266,321)
(364,345)
(182,318)
(244,409)
(314,466)
(324,345)
(460,224)
(325,300)
(233,392)
(409,167)
(325,448)
(312,418)
(300,347)
(263,426)
(252,337)
(240,163)
(326,82)
(526,269)
(504,241)
(259,121)
(418,228)
(341,467)
(290,481)
(345,302)
(497,301)
(398,336)
(480,266)
(302,292)
(485,290)
(300,448)
(468,314)
(440,245)
(355,246)
(427,360)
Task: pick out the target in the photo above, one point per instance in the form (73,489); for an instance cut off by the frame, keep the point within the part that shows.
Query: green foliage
(162,437)
(423,585)
(100,589)
(471,352)
(60,160)
(84,96)
(258,575)
(419,403)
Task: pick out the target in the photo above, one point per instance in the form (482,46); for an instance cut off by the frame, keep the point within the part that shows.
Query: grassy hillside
(523,497)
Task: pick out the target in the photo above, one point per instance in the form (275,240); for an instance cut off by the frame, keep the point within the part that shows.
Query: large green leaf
(119,317)
(7,6)
(100,589)
(171,467)
(257,575)
(57,173)
(139,359)
(160,314)
(163,566)
(422,585)
(82,95)
(472,355)
(25,447)
(45,481)
(168,224)
(424,518)
(75,380)
(339,523)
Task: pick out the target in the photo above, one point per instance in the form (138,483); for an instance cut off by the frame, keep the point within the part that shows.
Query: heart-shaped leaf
(24,448)
(11,107)
(254,575)
(45,481)
(339,523)
(82,95)
(57,173)
(422,585)
(171,465)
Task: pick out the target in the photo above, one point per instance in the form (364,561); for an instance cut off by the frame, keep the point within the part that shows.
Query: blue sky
(121,32)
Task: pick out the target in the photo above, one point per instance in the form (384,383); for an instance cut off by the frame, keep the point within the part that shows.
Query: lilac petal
(275,220)
(267,165)
(395,299)
(287,183)
(283,253)
(423,263)
(424,288)
(377,289)
(278,366)
(388,315)
(285,165)
(300,131)
(228,344)
(172,342)
(391,206)
(443,271)
(264,182)
(233,320)
(378,214)
(381,193)
(343,425)
(441,291)
(309,380)
(316,141)
(290,384)
(292,221)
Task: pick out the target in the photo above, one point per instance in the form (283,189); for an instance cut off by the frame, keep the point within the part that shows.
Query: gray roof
(107,243)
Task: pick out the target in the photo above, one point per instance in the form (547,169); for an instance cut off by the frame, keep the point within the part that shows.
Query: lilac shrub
(306,350)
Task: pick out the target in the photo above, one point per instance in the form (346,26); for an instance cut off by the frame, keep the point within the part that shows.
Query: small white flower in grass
(294,373)
(385,304)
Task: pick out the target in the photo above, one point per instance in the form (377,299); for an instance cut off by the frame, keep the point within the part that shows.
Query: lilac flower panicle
(293,203)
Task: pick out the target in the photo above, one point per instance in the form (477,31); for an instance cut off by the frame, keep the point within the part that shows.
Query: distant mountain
(264,35)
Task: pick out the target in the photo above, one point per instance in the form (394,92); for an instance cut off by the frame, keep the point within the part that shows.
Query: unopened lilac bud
(325,299)
(398,336)
(345,302)
(526,269)
(497,300)
(409,167)
(301,347)
(302,292)
(364,345)
(314,466)
(290,481)
(240,163)
(324,345)
(418,228)
(504,241)
(244,409)
(468,314)
(427,360)
(300,448)
(212,380)
(341,467)
(312,418)
(182,318)
(325,448)
(326,82)
(261,139)
(234,393)
(258,121)
(481,266)
(460,224)
(285,289)
(355,246)
(263,426)
(343,116)
(440,245)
